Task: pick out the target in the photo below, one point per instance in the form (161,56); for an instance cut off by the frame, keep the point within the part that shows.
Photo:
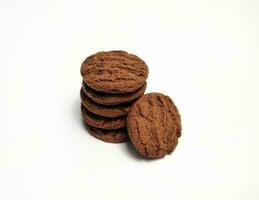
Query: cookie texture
(113,99)
(111,136)
(114,72)
(102,122)
(103,110)
(154,125)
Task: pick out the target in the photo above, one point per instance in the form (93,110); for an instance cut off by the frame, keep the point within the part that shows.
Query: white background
(203,54)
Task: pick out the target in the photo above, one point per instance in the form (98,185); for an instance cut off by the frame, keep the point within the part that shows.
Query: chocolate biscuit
(104,110)
(102,122)
(154,125)
(111,136)
(113,99)
(114,72)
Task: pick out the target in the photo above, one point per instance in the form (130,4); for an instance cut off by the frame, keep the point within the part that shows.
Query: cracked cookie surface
(154,125)
(114,72)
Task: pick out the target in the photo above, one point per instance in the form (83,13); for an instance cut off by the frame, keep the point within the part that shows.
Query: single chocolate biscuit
(111,136)
(102,122)
(154,125)
(113,99)
(103,110)
(114,72)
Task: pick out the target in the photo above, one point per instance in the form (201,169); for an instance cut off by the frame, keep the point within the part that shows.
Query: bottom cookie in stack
(112,136)
(107,122)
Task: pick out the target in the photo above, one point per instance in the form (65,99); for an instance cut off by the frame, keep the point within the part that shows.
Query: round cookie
(111,136)
(102,122)
(103,110)
(114,72)
(113,99)
(154,125)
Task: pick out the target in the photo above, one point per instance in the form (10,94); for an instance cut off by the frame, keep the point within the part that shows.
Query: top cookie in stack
(112,81)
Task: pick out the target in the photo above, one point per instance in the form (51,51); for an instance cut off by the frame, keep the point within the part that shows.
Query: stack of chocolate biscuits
(112,82)
(115,109)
